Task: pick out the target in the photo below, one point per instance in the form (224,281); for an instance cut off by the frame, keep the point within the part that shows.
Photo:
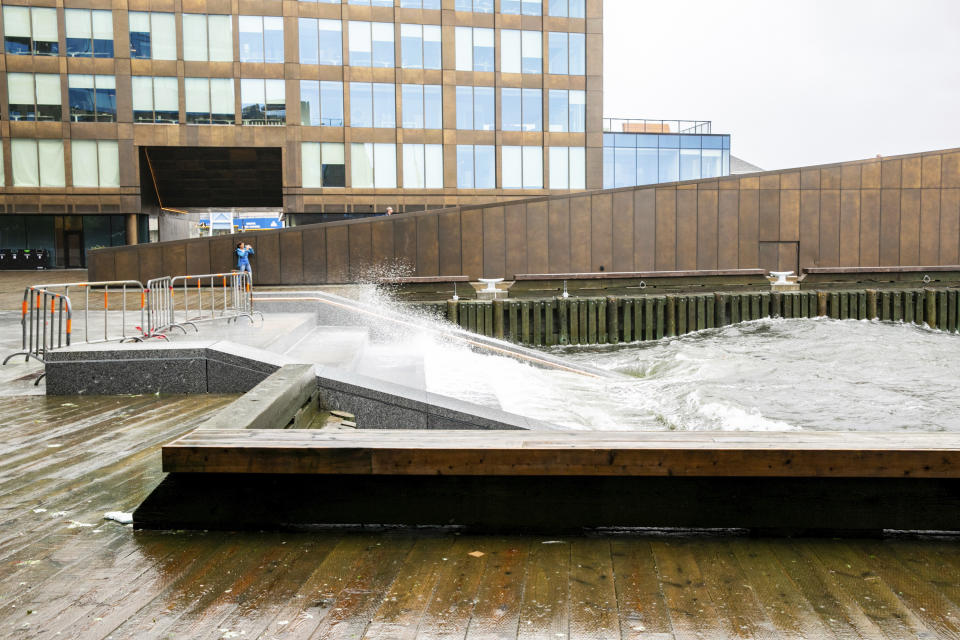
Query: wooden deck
(66,573)
(584,453)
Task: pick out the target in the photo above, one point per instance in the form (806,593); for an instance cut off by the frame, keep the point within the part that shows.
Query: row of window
(628,167)
(95,163)
(40,163)
(93,98)
(374,165)
(370,44)
(557,8)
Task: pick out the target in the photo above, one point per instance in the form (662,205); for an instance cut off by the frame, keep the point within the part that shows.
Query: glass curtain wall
(646,158)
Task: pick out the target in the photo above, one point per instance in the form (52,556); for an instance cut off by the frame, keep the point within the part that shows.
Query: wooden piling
(908,306)
(788,305)
(563,308)
(930,311)
(735,308)
(548,309)
(897,312)
(584,322)
(613,320)
(942,310)
(660,303)
(711,312)
(871,304)
(537,309)
(844,305)
(638,306)
(627,320)
(602,320)
(648,314)
(951,310)
(861,305)
(452,308)
(670,329)
(525,322)
(681,315)
(497,310)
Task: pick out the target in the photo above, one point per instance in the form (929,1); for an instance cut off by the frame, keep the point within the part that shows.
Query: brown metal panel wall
(223,257)
(829,226)
(930,171)
(891,174)
(870,175)
(580,237)
(930,223)
(949,226)
(515,229)
(769,229)
(728,229)
(790,215)
(101,265)
(911,173)
(950,170)
(910,226)
(151,262)
(291,257)
(494,243)
(539,249)
(707,228)
(622,219)
(787,256)
(428,246)
(810,226)
(405,244)
(198,256)
(338,255)
(314,247)
(749,225)
(889,225)
(645,229)
(471,228)
(601,232)
(266,259)
(769,256)
(850,227)
(870,226)
(381,242)
(559,235)
(174,259)
(127,264)
(448,228)
(666,233)
(686,228)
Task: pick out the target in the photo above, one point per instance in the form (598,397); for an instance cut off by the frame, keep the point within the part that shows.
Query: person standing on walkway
(243,258)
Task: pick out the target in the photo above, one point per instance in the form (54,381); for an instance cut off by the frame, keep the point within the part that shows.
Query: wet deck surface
(67,573)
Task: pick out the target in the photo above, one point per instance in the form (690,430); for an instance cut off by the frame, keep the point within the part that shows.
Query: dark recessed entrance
(212,176)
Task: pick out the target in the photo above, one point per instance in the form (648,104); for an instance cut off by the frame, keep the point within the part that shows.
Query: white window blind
(51,163)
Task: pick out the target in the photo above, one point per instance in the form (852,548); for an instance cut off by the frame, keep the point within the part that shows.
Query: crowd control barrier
(186,301)
(49,310)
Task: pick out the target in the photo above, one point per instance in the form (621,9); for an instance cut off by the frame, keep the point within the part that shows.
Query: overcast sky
(794,83)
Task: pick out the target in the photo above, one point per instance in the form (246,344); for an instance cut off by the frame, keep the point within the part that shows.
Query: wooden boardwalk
(66,573)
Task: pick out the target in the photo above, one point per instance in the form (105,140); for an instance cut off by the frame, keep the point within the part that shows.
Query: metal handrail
(185,301)
(657,125)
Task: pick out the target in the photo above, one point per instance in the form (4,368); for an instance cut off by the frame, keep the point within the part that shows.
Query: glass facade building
(633,159)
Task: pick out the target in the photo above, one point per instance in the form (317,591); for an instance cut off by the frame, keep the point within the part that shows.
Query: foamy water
(771,374)
(762,375)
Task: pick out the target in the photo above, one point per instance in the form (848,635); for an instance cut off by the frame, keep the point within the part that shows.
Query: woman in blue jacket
(243,258)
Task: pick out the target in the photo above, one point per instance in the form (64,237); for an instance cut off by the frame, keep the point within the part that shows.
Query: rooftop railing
(650,125)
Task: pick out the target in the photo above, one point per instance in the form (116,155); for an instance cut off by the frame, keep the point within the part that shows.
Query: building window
(321,42)
(209,100)
(263,102)
(155,99)
(638,159)
(34,96)
(521,51)
(96,163)
(567,53)
(323,1)
(476,6)
(419,46)
(373,165)
(373,105)
(568,110)
(420,4)
(525,7)
(568,168)
(322,164)
(30,31)
(474,49)
(261,39)
(373,3)
(321,103)
(153,36)
(37,163)
(476,108)
(522,109)
(522,167)
(371,44)
(89,33)
(422,106)
(423,166)
(92,98)
(476,166)
(207,38)
(566,8)
(3,179)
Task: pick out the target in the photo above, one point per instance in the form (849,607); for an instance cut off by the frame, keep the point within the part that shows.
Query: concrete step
(340,347)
